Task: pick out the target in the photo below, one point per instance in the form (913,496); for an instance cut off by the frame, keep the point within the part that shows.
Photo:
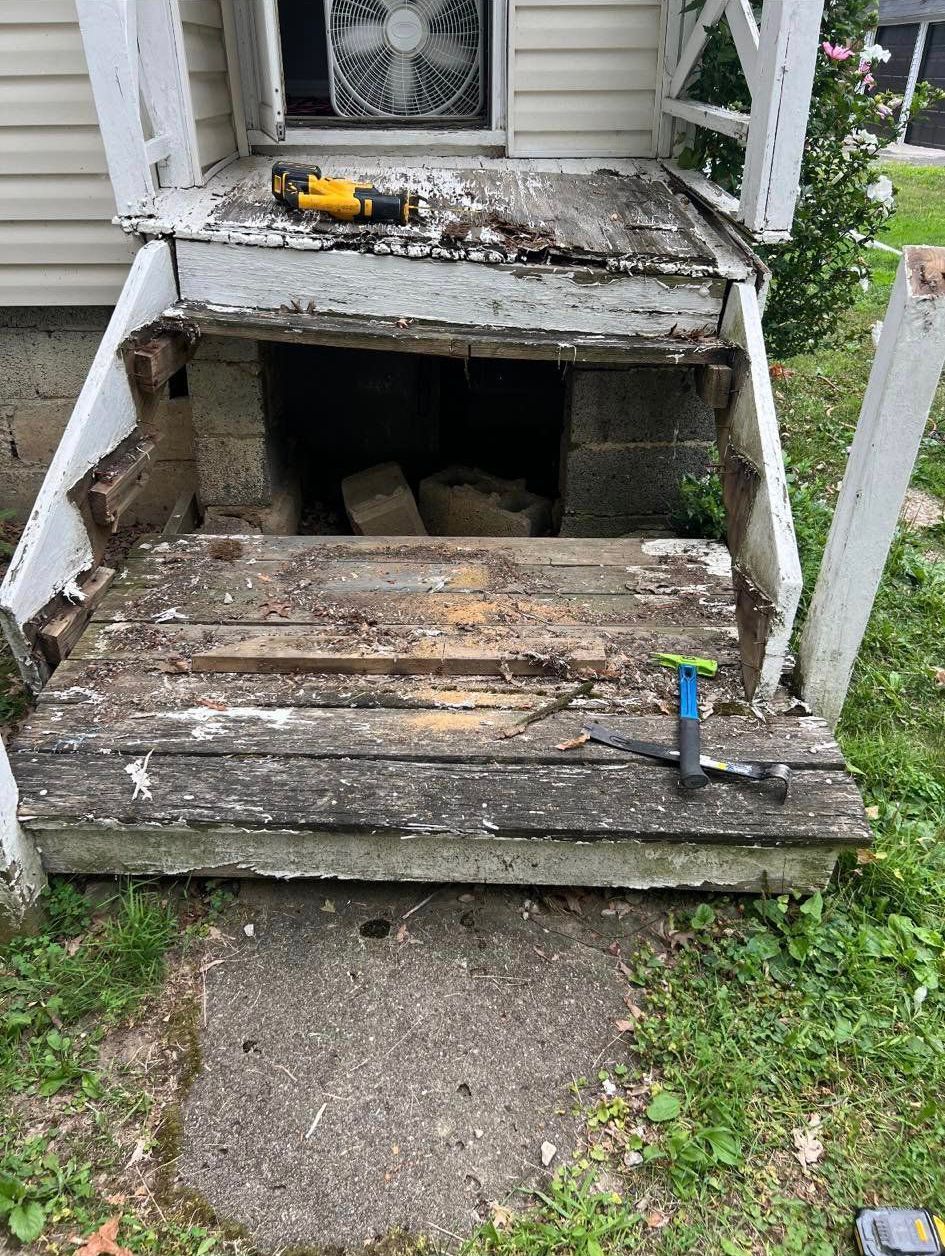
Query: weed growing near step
(60,994)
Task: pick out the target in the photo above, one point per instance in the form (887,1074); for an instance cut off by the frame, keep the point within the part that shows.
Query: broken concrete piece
(379,502)
(279,518)
(464,501)
(548,1153)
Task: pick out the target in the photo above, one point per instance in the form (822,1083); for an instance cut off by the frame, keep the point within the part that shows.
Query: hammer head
(704,667)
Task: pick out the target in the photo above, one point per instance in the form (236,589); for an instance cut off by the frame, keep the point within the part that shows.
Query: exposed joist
(58,636)
(119,478)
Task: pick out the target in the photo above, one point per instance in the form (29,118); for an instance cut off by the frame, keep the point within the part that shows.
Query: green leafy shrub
(843,203)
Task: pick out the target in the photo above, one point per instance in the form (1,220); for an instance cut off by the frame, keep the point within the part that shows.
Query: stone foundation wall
(629,437)
(45,355)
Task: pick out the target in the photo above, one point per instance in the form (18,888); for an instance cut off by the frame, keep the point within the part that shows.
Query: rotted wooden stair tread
(261,771)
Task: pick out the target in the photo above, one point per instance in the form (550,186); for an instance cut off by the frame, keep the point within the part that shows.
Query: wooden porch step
(137,761)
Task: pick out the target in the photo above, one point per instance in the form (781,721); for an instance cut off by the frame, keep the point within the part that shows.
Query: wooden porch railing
(778,62)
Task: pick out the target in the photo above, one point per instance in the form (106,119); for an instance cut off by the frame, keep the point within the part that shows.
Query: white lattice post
(109,36)
(787,53)
(906,370)
(21,874)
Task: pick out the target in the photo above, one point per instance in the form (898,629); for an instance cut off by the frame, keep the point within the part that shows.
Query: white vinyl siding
(57,243)
(582,77)
(205,55)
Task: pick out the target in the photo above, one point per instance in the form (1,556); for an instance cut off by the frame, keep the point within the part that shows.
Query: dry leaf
(655,1220)
(574,742)
(636,1012)
(502,1217)
(174,665)
(624,1026)
(872,813)
(73,944)
(808,1147)
(140,1148)
(276,608)
(402,934)
(574,903)
(103,1241)
(777,370)
(212,704)
(938,677)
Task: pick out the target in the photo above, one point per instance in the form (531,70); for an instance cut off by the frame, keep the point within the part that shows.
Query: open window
(368,64)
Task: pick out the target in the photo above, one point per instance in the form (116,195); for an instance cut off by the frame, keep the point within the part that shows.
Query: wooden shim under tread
(156,359)
(59,635)
(119,478)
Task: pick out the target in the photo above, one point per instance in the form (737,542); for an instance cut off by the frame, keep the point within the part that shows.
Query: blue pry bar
(688,699)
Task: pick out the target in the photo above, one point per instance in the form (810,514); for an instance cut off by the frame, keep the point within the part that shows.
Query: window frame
(369,136)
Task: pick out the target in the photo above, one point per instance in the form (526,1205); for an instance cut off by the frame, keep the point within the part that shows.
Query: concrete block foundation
(45,356)
(462,501)
(629,437)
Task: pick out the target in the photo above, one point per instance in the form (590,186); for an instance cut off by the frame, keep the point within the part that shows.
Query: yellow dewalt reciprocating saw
(303,187)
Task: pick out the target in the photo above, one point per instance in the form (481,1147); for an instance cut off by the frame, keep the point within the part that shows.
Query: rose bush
(843,202)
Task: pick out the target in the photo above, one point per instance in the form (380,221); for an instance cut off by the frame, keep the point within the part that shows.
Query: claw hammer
(691,775)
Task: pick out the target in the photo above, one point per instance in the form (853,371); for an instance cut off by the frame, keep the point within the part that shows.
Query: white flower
(864,139)
(881,190)
(875,52)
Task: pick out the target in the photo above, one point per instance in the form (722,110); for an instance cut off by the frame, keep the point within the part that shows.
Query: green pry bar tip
(705,667)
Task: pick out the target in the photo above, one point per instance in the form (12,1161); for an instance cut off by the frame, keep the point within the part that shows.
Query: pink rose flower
(836,52)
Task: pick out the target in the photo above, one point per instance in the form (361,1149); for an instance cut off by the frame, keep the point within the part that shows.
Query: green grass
(779,1010)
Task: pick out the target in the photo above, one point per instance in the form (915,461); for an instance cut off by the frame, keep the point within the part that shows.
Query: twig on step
(549,708)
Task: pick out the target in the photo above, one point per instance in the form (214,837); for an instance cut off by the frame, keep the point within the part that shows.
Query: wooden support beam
(906,370)
(119,478)
(184,517)
(155,360)
(725,121)
(60,634)
(714,385)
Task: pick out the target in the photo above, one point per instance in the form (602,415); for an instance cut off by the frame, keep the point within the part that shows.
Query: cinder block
(609,525)
(18,489)
(37,427)
(227,349)
(630,480)
(378,502)
(463,501)
(166,482)
(233,471)
(227,398)
(56,317)
(38,363)
(279,519)
(650,403)
(172,421)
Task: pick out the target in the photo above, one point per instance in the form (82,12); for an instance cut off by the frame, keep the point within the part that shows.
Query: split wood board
(216,727)
(446,340)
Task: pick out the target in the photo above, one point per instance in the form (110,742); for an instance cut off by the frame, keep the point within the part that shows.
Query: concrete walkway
(368,1068)
(914,155)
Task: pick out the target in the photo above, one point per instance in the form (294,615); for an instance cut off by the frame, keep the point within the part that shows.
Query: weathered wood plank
(576,802)
(481,860)
(152,642)
(472,736)
(438,610)
(541,298)
(902,384)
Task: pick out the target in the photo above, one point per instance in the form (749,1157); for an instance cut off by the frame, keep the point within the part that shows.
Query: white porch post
(906,370)
(109,36)
(787,53)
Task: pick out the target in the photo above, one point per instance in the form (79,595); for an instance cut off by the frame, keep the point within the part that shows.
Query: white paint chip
(138,771)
